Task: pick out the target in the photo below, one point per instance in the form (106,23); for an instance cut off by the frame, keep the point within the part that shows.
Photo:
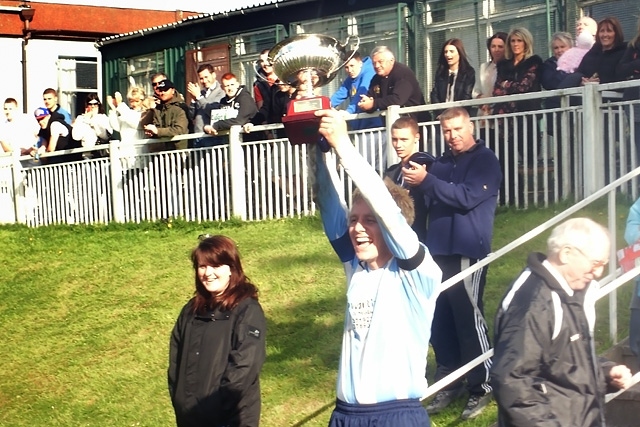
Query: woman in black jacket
(600,64)
(455,77)
(217,346)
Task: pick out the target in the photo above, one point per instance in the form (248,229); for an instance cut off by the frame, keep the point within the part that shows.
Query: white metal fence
(581,139)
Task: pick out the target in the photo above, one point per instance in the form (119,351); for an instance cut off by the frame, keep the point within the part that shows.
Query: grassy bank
(86,312)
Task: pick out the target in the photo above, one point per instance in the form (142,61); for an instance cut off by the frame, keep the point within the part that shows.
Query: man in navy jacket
(460,191)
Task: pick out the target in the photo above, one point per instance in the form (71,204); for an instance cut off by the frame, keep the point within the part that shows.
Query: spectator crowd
(373,83)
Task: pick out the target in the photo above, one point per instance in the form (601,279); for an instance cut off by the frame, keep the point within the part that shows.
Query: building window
(77,78)
(140,69)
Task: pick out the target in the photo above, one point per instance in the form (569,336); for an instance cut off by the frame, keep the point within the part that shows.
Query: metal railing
(609,283)
(581,139)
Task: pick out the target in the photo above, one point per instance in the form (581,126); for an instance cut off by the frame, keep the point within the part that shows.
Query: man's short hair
(400,196)
(356,55)
(582,233)
(382,49)
(156,75)
(406,122)
(453,112)
(11,101)
(228,76)
(51,91)
(208,67)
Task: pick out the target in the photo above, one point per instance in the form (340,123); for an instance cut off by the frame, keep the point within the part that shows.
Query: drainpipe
(26,16)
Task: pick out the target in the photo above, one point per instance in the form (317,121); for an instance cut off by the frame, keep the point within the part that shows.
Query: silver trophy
(321,56)
(308,61)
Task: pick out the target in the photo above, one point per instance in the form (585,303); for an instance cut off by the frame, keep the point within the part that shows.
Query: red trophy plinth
(301,123)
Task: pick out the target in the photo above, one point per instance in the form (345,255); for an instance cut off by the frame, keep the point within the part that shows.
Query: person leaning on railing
(92,127)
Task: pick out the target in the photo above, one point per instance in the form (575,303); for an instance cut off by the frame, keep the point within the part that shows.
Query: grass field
(86,313)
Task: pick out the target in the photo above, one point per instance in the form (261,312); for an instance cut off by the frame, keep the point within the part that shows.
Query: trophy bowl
(309,53)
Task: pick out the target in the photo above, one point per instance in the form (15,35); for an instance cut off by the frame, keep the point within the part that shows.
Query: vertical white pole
(237,174)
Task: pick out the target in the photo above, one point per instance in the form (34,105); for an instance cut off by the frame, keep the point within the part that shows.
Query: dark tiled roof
(220,9)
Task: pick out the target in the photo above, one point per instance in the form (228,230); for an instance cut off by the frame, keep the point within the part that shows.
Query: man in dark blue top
(460,191)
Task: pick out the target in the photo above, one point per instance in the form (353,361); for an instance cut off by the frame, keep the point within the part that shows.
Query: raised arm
(400,238)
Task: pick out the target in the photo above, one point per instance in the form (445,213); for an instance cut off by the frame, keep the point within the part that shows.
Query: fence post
(237,174)
(117,196)
(592,140)
(19,205)
(393,114)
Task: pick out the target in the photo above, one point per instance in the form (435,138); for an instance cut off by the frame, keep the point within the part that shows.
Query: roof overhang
(242,7)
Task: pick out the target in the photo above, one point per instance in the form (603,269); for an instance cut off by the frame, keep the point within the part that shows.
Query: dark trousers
(459,332)
(396,413)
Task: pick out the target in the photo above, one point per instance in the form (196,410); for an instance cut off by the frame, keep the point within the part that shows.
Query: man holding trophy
(393,284)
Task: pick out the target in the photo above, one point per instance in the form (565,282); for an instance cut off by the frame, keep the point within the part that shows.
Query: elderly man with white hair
(545,370)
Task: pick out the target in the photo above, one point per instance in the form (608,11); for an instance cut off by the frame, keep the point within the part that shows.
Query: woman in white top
(485,81)
(126,118)
(487,74)
(93,126)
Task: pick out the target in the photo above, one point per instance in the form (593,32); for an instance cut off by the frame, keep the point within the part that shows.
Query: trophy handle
(353,51)
(257,68)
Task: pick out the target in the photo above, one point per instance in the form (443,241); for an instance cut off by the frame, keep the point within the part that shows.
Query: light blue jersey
(390,309)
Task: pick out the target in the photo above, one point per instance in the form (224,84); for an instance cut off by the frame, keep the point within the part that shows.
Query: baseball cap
(41,113)
(164,85)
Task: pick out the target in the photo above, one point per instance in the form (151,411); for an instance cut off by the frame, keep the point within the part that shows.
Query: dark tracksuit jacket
(461,197)
(214,365)
(545,371)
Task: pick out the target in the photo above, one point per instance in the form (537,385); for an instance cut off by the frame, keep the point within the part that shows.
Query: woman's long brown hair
(215,251)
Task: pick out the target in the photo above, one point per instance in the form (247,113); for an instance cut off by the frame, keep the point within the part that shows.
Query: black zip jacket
(214,365)
(462,90)
(400,87)
(545,371)
(605,63)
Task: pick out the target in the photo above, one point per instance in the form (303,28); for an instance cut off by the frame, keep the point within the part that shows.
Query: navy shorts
(405,413)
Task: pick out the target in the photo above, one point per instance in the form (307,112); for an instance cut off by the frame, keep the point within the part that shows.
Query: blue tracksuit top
(461,195)
(351,89)
(390,309)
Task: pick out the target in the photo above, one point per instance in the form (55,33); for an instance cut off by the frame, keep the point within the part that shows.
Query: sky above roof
(215,6)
